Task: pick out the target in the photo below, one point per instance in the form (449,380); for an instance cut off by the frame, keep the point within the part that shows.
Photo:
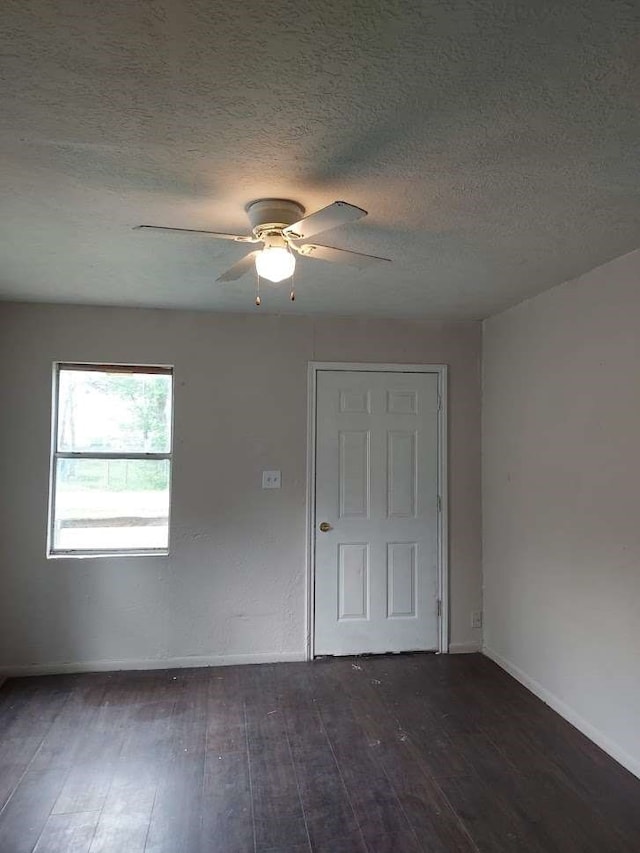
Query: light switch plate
(271,479)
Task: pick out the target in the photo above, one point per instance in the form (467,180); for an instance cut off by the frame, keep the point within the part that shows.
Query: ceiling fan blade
(239,238)
(338,213)
(340,256)
(241,268)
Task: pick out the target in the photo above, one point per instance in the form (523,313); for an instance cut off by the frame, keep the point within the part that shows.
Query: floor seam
(246,737)
(295,773)
(344,786)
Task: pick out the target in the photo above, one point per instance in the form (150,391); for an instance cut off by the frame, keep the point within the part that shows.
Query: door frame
(440,370)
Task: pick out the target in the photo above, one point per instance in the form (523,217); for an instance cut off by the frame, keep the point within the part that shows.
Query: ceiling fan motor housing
(273,214)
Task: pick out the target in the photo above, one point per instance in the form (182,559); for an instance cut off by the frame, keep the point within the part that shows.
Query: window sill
(87,555)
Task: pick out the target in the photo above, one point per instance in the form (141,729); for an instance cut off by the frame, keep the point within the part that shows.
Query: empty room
(319,419)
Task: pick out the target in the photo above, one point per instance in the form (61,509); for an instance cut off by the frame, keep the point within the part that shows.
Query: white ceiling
(495,145)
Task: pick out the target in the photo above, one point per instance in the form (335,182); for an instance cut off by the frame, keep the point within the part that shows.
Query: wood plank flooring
(392,754)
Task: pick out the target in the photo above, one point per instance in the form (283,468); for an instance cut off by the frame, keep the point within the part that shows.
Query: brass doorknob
(325,527)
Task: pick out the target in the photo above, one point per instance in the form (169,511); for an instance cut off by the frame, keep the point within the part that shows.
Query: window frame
(55,454)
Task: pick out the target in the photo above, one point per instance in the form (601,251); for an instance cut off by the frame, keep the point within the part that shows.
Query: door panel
(402,473)
(376,580)
(401,579)
(353,580)
(354,473)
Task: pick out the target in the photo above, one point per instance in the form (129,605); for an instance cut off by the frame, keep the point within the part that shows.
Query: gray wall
(561,477)
(233,588)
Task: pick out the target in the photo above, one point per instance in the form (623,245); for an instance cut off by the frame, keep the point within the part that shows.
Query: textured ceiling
(495,144)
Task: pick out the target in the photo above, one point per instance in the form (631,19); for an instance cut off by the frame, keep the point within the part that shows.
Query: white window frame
(58,366)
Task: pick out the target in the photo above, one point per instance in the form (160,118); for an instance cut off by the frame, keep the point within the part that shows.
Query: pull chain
(258,299)
(292,295)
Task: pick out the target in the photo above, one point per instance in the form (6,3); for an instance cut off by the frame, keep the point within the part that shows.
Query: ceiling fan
(283,229)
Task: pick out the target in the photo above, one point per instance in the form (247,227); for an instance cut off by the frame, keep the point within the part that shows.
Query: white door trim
(440,370)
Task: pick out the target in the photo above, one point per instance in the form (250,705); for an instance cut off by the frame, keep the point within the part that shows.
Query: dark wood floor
(403,754)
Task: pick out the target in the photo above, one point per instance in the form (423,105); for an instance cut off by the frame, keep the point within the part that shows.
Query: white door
(376,512)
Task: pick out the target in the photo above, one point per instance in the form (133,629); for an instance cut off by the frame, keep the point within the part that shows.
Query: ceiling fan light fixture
(284,229)
(275,263)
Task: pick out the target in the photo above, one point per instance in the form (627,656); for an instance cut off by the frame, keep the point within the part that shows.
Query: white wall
(561,500)
(233,588)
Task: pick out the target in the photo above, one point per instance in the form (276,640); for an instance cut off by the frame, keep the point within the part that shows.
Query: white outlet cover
(271,479)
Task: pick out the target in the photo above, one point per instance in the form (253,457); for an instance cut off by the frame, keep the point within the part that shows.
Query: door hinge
(439,607)
(439,503)
(439,402)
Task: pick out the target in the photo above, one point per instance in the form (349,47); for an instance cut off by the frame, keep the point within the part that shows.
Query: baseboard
(145,663)
(603,741)
(464,648)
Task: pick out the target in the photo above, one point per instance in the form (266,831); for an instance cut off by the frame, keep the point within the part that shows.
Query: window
(111,459)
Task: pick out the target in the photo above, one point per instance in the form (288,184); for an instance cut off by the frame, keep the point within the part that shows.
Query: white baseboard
(146,663)
(464,648)
(603,741)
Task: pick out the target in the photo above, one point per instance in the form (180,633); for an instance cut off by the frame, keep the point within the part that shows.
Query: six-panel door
(376,584)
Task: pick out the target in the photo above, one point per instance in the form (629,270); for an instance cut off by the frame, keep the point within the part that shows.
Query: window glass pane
(114,412)
(111,504)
